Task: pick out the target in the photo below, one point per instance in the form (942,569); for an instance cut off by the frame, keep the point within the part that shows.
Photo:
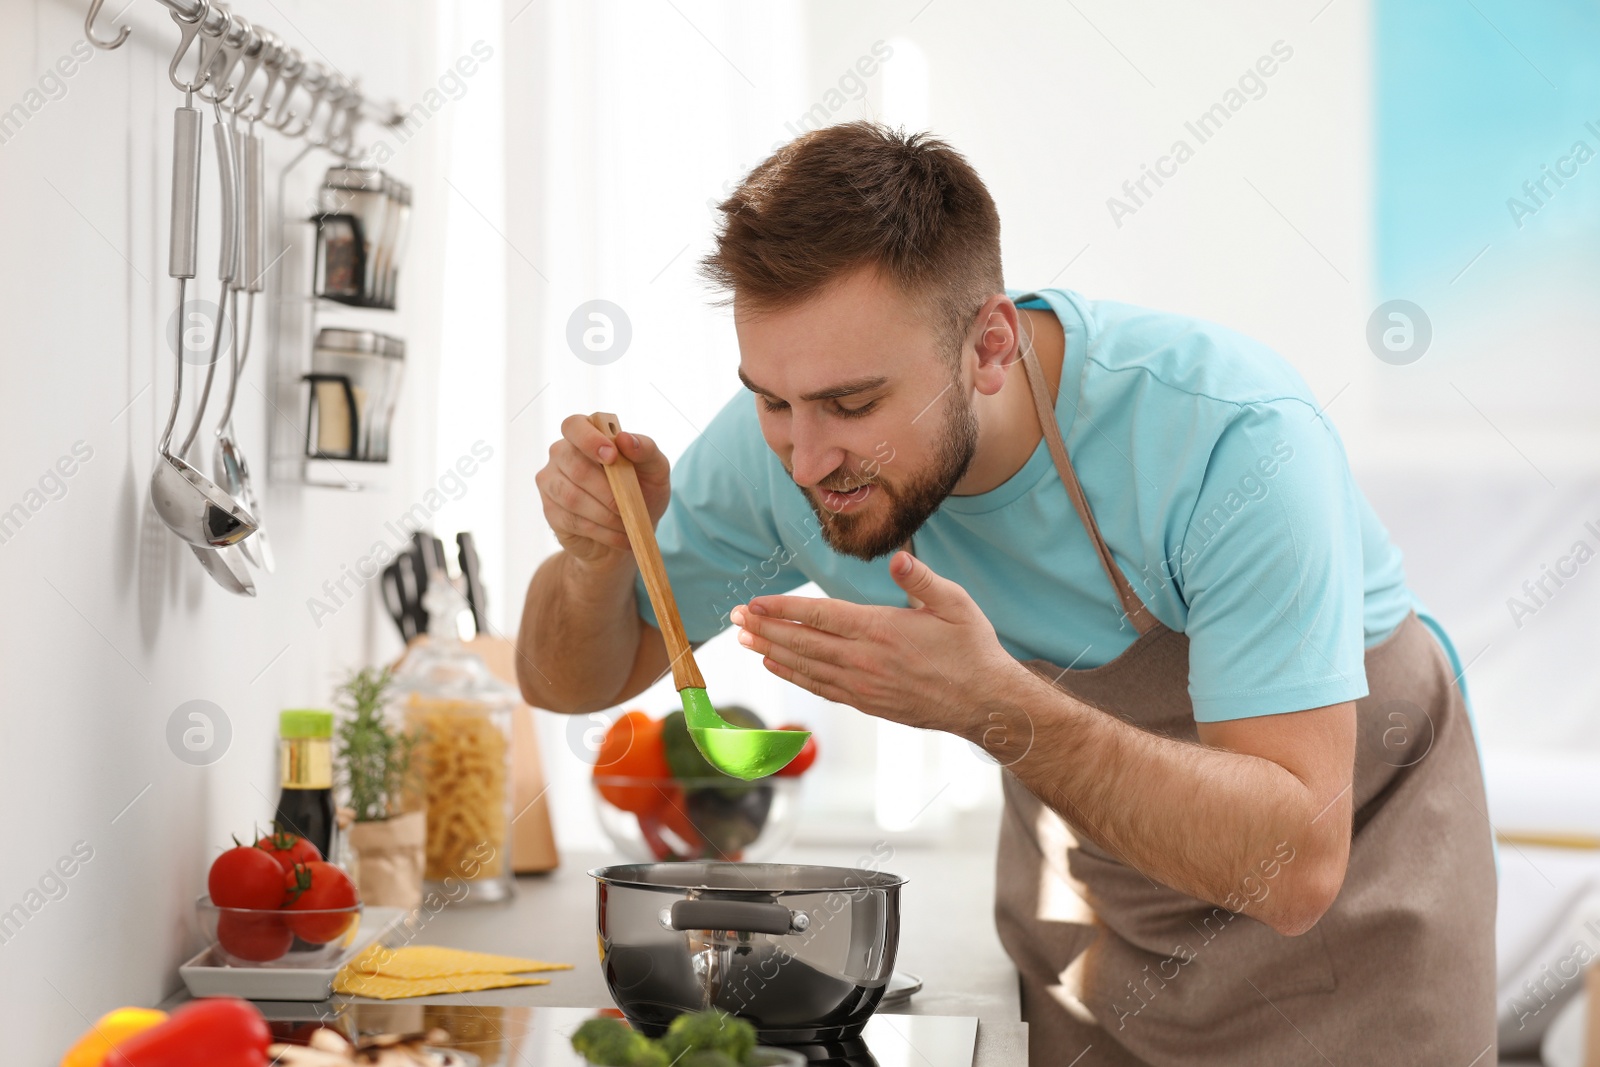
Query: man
(1243,818)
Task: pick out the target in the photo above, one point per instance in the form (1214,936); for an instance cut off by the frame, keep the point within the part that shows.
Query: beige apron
(1117,970)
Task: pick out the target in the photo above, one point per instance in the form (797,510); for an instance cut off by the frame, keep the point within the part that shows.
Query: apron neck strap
(1044,407)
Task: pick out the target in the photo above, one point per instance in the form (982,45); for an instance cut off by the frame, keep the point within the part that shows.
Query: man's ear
(996,338)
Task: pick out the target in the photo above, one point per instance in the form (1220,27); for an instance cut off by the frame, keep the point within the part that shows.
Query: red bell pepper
(213,1032)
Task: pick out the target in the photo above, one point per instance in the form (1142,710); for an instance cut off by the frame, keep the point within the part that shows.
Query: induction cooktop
(540,1037)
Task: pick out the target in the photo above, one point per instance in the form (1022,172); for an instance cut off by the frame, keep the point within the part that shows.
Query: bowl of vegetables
(695,1039)
(277,904)
(658,799)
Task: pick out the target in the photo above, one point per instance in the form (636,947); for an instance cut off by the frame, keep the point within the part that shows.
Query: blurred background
(1401,198)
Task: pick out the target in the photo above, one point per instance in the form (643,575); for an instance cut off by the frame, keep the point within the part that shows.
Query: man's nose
(812,458)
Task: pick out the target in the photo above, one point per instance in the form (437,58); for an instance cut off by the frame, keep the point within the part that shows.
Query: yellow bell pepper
(113,1028)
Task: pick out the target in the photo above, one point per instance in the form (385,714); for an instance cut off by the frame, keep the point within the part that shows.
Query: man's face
(864,407)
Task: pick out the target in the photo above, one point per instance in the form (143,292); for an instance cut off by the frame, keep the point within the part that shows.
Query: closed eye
(855,413)
(775,406)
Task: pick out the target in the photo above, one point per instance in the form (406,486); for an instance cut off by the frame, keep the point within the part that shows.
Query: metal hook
(347,133)
(294,69)
(100,42)
(338,93)
(344,143)
(230,52)
(188,29)
(317,95)
(275,56)
(252,63)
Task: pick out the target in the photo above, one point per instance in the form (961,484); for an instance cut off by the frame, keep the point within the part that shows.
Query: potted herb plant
(374,764)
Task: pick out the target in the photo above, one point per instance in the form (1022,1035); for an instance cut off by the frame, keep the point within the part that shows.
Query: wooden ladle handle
(624,482)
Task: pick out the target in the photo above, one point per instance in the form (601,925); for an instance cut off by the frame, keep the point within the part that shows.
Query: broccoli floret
(612,1043)
(711,1031)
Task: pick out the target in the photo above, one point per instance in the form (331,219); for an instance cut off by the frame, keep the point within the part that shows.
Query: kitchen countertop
(947,938)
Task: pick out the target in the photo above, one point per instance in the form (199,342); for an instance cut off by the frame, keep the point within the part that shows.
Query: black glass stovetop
(540,1037)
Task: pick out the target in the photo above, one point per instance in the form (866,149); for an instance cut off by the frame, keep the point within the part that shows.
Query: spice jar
(461,716)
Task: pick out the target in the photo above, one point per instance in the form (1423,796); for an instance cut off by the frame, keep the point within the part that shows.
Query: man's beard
(868,534)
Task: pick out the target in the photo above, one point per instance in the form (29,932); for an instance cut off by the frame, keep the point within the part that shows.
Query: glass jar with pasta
(460,715)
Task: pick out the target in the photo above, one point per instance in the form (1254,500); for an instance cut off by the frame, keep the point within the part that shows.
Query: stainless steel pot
(804,953)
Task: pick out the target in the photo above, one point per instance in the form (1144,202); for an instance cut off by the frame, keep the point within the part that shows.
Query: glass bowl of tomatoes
(277,937)
(278,904)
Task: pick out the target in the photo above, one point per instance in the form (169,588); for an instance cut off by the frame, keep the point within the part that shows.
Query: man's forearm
(1236,830)
(579,635)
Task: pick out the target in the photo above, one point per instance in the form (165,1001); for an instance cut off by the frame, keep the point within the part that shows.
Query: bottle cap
(305,722)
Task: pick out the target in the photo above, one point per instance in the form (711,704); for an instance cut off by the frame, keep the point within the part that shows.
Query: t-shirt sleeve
(718,529)
(1271,570)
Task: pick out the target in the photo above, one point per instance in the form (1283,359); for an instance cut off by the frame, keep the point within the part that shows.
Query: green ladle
(735,750)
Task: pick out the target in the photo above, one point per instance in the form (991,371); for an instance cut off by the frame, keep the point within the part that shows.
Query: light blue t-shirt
(1224,495)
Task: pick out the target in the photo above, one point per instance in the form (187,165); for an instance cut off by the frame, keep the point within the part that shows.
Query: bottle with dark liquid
(305,762)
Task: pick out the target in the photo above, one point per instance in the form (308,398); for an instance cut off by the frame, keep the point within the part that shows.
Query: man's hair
(856,195)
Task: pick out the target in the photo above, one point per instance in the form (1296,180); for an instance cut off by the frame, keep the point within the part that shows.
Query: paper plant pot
(389,859)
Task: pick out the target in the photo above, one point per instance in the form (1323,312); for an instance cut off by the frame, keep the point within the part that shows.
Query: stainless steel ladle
(225,565)
(228,462)
(194,507)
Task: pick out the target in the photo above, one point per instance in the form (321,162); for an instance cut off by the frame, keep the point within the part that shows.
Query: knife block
(533,840)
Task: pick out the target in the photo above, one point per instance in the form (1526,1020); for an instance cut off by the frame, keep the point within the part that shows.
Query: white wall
(111,623)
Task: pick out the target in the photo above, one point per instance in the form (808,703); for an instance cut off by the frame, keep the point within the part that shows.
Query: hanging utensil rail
(251,48)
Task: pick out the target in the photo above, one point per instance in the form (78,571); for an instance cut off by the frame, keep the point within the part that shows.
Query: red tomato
(288,849)
(806,757)
(245,877)
(254,936)
(318,886)
(213,1032)
(632,749)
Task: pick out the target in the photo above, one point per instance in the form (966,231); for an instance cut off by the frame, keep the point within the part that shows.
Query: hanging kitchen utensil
(226,564)
(194,507)
(230,467)
(741,752)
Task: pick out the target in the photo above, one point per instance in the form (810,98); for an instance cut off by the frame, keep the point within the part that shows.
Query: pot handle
(744,916)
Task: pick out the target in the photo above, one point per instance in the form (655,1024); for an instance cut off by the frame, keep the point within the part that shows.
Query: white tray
(206,976)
